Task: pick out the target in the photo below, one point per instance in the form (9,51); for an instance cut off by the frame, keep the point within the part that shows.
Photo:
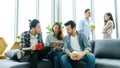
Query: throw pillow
(11,54)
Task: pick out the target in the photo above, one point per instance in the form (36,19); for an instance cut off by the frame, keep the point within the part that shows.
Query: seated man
(76,48)
(32,45)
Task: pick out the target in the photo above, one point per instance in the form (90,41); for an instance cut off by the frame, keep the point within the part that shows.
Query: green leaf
(49,28)
(17,36)
(60,23)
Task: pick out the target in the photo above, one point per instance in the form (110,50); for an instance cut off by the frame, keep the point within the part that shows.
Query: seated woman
(55,40)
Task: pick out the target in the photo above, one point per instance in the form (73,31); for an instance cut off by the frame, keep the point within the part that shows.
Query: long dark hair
(60,34)
(111,18)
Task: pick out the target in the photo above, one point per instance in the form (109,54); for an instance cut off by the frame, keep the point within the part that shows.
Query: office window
(118,8)
(81,5)
(7,13)
(108,6)
(45,16)
(27,10)
(67,12)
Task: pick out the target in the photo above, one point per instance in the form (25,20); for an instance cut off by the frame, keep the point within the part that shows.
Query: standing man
(76,47)
(84,24)
(29,40)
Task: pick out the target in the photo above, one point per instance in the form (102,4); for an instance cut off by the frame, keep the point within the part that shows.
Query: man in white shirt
(76,47)
(84,24)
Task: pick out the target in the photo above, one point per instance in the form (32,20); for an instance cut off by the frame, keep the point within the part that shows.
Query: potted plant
(18,38)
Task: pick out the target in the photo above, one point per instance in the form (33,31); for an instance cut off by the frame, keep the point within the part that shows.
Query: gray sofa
(107,54)
(7,63)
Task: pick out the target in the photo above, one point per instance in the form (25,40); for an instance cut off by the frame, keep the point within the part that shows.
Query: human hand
(109,31)
(74,55)
(92,30)
(80,55)
(33,47)
(57,46)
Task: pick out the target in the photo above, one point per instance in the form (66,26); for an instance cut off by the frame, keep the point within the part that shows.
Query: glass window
(45,16)
(108,6)
(81,5)
(118,8)
(67,12)
(27,10)
(7,13)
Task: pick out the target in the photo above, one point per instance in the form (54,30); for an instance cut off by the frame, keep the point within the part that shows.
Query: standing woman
(109,25)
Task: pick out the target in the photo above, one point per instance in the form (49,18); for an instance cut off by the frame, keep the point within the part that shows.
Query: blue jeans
(56,57)
(88,58)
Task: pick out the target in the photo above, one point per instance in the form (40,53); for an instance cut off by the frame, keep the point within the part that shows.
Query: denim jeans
(56,57)
(88,58)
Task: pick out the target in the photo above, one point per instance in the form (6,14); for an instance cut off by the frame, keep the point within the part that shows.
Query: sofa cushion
(107,48)
(80,64)
(11,53)
(107,63)
(7,63)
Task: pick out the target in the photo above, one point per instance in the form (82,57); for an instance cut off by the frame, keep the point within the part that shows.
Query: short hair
(72,23)
(87,10)
(33,23)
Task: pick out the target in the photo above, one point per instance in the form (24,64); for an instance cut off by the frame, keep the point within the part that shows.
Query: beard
(37,32)
(69,33)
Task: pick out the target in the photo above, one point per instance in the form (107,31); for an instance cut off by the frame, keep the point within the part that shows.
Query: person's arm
(41,40)
(23,42)
(73,56)
(108,25)
(87,48)
(26,48)
(92,26)
(68,53)
(86,44)
(23,45)
(81,54)
(84,52)
(32,48)
(66,49)
(80,26)
(47,42)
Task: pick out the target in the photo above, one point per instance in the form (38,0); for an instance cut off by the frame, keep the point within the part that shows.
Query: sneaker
(20,54)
